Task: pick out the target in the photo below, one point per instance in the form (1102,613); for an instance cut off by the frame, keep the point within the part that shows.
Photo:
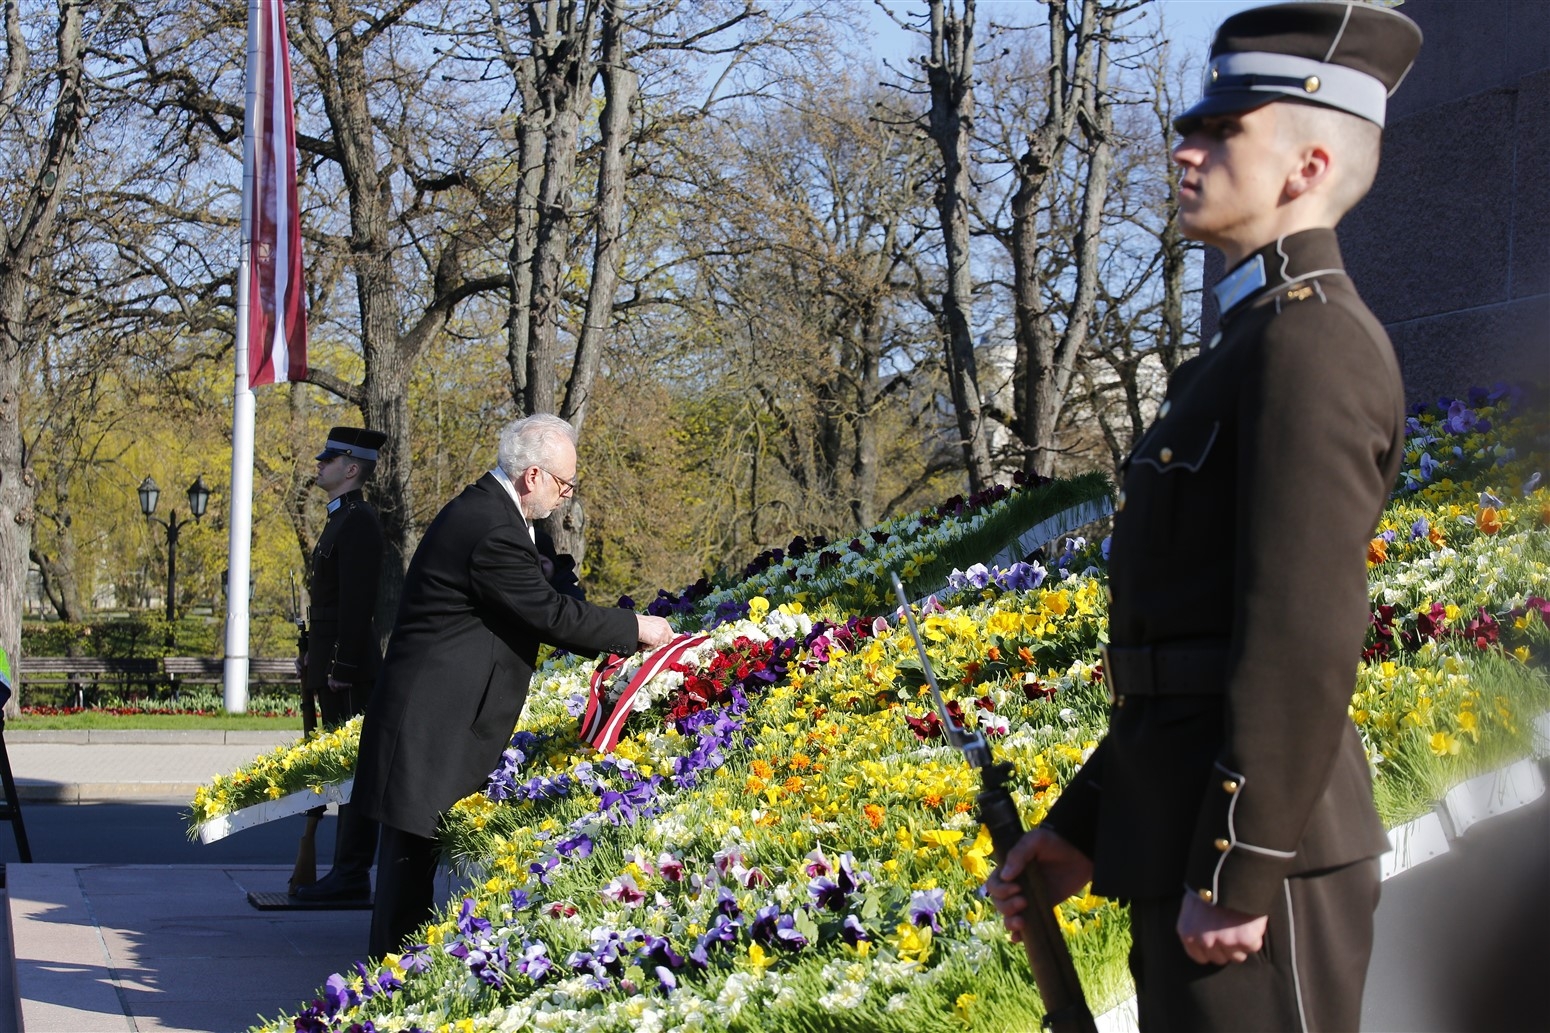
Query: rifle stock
(1054,973)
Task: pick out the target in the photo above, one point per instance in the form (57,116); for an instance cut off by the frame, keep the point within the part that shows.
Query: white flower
(898,1002)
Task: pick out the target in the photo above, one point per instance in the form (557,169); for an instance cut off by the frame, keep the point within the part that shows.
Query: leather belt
(1193,668)
(324,613)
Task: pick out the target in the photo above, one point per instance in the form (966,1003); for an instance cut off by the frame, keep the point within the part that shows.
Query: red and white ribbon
(604,733)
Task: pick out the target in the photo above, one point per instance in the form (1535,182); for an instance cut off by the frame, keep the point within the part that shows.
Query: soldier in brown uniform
(1231,801)
(342,652)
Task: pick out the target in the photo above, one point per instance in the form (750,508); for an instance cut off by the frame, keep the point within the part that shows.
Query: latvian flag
(277,315)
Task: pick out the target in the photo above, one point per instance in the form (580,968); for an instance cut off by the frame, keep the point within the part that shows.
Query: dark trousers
(355,844)
(406,888)
(1308,976)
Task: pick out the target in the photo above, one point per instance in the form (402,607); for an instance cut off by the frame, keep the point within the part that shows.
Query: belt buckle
(1108,674)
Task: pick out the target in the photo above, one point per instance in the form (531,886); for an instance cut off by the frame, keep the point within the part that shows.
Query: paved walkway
(96,765)
(102,949)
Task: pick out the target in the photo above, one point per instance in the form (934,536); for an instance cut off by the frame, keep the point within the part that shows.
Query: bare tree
(950,76)
(43,111)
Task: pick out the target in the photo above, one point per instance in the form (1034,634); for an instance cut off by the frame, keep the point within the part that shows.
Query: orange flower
(1489,520)
(1436,538)
(763,769)
(793,784)
(873,814)
(961,806)
(932,800)
(993,654)
(1544,514)
(1377,551)
(800,762)
(754,786)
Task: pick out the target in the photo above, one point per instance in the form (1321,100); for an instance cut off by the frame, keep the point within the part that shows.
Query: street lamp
(198,499)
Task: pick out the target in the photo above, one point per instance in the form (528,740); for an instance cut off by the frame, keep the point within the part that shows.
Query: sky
(1190,23)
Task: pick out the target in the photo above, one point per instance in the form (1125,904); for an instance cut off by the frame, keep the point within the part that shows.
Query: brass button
(1164,410)
(1311,84)
(1119,502)
(1166,455)
(1207,896)
(1215,340)
(1223,845)
(1230,786)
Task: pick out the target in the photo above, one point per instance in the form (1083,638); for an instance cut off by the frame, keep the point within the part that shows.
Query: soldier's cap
(355,442)
(1348,56)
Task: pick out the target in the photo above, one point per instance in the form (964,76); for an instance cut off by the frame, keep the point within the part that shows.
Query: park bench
(211,670)
(83,676)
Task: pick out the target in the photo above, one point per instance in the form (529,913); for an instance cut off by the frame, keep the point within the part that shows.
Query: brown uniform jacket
(346,569)
(1239,579)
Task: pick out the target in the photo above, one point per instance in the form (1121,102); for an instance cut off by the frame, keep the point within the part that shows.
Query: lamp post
(198,499)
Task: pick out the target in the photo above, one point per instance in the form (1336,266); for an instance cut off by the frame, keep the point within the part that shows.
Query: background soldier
(343,652)
(1231,801)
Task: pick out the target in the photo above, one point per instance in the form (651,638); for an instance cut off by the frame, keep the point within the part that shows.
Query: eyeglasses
(567,487)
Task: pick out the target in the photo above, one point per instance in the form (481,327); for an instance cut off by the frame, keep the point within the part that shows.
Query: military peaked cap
(355,442)
(1348,56)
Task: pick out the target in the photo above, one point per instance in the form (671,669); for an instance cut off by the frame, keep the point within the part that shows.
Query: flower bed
(780,838)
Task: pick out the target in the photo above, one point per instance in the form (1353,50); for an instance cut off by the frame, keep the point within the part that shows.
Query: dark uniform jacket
(1239,579)
(346,568)
(475,607)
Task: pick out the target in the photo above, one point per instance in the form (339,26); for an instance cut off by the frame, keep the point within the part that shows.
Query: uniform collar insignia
(335,504)
(1239,284)
(1281,263)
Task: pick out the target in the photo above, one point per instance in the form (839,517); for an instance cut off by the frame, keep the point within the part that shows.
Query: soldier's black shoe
(337,886)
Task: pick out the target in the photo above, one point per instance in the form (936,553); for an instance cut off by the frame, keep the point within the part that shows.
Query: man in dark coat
(475,607)
(1231,800)
(342,650)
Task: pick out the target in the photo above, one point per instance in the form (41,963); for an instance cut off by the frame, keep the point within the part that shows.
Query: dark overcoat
(1239,580)
(474,609)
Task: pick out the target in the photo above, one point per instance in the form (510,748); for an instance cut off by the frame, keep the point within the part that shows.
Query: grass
(95,719)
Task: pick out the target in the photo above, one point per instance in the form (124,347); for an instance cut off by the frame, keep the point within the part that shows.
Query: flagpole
(240,543)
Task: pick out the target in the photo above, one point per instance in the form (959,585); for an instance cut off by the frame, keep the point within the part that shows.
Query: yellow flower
(962,1006)
(973,859)
(913,942)
(1445,745)
(758,608)
(758,959)
(943,838)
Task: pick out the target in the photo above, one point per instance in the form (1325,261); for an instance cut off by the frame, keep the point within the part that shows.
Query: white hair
(532,441)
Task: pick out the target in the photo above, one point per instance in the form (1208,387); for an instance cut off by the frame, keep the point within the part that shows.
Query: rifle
(305,872)
(1054,974)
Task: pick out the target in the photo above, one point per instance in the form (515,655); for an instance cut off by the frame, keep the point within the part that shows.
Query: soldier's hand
(652,631)
(336,685)
(1214,935)
(1065,869)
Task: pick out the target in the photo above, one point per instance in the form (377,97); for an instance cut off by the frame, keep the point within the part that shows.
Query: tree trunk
(21,242)
(620,93)
(564,90)
(950,74)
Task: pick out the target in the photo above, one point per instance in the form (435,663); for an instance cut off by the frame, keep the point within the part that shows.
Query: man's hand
(336,685)
(1065,869)
(652,631)
(1218,935)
